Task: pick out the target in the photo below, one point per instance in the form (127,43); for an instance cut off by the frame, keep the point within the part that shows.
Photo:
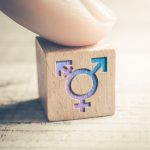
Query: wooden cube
(75,82)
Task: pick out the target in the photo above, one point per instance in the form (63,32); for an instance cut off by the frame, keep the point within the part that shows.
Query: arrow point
(101,62)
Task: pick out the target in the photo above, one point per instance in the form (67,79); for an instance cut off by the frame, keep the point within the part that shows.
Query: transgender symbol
(64,68)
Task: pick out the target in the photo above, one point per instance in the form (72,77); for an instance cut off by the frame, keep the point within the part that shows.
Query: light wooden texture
(23,124)
(52,87)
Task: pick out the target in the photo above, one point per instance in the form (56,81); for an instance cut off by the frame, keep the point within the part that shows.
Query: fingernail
(99,10)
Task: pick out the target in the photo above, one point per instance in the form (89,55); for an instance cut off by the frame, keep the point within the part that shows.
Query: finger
(66,22)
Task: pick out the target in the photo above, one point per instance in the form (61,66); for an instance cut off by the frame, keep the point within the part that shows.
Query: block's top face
(50,47)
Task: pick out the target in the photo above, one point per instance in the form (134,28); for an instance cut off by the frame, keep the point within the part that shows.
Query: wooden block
(75,82)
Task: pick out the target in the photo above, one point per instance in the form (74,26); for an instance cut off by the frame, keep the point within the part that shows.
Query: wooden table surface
(22,122)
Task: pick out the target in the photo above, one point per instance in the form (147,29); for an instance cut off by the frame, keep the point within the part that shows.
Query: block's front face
(80,83)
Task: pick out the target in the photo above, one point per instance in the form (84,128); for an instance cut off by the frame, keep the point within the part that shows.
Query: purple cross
(67,71)
(82,105)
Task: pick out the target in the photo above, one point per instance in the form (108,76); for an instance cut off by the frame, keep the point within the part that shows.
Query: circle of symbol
(73,75)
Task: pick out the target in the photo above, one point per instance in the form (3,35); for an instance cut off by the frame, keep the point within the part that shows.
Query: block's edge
(41,52)
(90,117)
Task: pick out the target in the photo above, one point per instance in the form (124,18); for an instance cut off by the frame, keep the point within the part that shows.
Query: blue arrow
(101,62)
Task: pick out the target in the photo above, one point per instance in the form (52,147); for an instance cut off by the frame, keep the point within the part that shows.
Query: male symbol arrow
(101,62)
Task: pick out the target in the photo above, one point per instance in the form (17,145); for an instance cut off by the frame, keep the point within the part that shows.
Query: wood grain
(23,124)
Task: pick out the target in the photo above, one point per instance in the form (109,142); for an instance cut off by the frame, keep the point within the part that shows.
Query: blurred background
(128,129)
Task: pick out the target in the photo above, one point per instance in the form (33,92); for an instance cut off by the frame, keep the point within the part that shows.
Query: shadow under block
(75,82)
